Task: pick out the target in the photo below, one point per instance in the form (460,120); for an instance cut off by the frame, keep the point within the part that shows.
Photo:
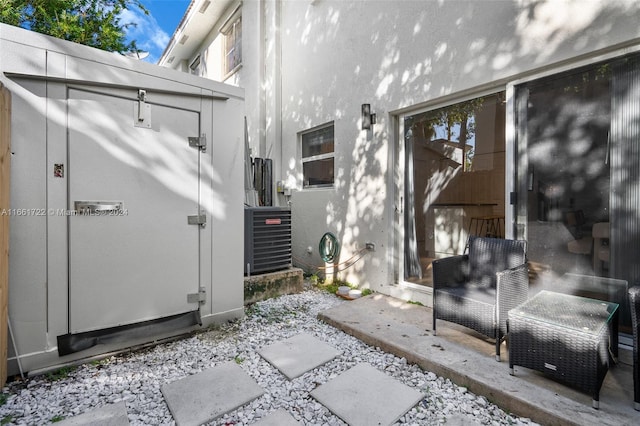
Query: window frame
(194,65)
(318,157)
(232,41)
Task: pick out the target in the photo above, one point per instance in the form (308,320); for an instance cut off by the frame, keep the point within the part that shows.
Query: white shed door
(132,256)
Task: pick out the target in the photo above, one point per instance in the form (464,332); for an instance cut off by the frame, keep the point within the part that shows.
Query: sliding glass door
(578,150)
(454,180)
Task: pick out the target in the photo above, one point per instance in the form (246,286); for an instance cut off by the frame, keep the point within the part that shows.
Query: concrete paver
(204,396)
(298,354)
(108,415)
(365,396)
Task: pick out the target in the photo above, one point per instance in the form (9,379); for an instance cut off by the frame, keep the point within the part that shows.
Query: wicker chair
(634,304)
(478,290)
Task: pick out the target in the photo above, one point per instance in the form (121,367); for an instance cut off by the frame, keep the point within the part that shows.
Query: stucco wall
(337,55)
(257,73)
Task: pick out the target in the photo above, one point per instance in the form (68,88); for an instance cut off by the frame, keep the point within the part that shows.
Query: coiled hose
(329,247)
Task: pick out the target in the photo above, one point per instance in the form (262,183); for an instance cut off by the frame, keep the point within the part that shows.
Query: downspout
(262,102)
(278,165)
(271,87)
(262,114)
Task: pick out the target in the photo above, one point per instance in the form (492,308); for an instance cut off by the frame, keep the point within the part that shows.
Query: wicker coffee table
(569,338)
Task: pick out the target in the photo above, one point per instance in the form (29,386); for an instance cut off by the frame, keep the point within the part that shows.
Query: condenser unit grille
(267,238)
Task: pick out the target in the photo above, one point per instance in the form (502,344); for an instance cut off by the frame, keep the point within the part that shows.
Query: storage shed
(126,211)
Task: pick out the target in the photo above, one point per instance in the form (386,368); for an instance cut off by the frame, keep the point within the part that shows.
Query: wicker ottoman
(569,338)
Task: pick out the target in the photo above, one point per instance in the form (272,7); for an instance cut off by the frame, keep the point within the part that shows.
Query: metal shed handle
(88,207)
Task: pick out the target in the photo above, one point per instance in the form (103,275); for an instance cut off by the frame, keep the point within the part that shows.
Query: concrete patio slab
(278,418)
(365,396)
(204,396)
(108,415)
(298,354)
(468,360)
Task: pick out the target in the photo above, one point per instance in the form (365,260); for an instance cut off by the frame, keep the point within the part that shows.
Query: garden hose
(329,247)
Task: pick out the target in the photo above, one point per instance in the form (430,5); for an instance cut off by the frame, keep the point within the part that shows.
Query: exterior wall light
(367,117)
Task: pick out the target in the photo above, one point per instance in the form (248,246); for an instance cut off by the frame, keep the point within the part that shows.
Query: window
(317,157)
(232,44)
(194,66)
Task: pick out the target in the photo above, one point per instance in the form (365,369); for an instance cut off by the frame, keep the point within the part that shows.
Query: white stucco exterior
(310,62)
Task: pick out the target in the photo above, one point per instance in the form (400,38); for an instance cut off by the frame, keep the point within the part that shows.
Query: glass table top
(565,310)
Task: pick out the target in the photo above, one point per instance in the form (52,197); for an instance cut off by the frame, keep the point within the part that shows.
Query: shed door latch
(142,117)
(142,98)
(199,297)
(198,219)
(199,142)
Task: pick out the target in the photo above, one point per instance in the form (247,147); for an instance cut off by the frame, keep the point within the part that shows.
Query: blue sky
(153,32)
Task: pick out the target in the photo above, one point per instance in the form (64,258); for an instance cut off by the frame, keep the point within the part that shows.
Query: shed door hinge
(199,297)
(199,142)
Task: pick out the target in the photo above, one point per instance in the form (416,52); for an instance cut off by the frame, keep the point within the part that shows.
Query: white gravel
(136,377)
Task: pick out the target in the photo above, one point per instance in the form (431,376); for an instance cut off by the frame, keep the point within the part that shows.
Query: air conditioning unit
(267,239)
